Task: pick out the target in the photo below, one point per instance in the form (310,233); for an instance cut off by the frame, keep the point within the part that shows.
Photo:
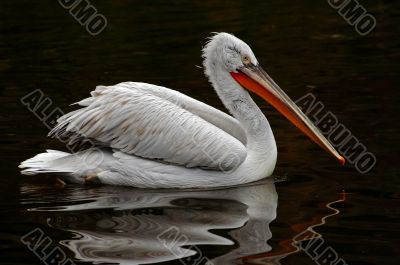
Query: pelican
(150,136)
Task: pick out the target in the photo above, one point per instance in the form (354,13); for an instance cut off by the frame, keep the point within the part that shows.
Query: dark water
(304,45)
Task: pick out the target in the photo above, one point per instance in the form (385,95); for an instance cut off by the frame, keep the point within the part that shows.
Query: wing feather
(158,123)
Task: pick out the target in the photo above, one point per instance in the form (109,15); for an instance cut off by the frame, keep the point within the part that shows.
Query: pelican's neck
(259,135)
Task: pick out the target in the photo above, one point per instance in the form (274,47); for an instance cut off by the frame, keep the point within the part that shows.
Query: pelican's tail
(45,163)
(73,167)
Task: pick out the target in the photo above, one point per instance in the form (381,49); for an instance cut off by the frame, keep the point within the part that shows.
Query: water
(305,46)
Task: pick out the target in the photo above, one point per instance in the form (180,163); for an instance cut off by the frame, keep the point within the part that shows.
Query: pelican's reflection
(137,226)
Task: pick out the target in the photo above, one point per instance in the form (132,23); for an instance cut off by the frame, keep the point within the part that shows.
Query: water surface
(305,46)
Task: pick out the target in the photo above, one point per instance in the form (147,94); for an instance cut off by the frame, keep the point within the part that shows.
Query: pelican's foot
(92,179)
(60,183)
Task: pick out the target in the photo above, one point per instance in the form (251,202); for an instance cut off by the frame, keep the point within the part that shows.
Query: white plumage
(151,136)
(157,123)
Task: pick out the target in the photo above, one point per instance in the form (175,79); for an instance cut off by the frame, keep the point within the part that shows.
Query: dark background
(304,45)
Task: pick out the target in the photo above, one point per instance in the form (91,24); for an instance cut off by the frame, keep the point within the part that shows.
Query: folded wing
(156,123)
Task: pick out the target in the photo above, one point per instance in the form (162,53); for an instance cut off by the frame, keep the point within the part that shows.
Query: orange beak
(255,79)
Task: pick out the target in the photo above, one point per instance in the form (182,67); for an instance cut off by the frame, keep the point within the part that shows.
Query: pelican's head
(224,53)
(229,52)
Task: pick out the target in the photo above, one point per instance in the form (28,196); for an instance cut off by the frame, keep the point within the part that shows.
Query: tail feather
(73,167)
(43,163)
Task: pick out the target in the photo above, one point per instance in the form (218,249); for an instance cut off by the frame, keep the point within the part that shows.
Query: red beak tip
(342,160)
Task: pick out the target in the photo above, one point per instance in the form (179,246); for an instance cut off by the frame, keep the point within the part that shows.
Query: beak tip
(342,160)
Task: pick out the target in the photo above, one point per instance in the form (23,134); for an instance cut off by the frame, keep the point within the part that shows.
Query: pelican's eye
(246,60)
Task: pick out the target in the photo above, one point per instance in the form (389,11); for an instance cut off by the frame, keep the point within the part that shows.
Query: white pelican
(155,137)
